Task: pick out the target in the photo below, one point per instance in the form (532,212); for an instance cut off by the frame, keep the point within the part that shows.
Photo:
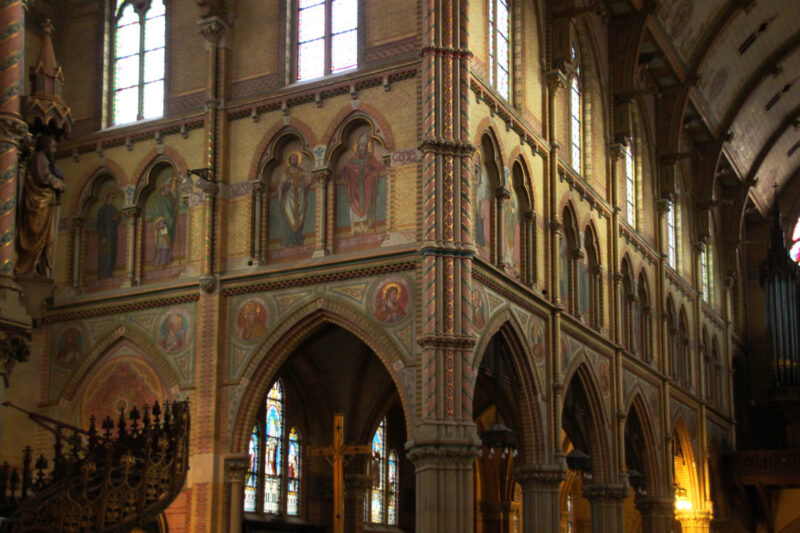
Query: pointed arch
(592,281)
(647,450)
(288,335)
(108,167)
(569,253)
(686,374)
(627,299)
(266,146)
(506,325)
(645,344)
(105,344)
(684,471)
(582,392)
(144,171)
(355,119)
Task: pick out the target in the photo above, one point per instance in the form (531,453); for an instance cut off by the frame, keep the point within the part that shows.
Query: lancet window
(381,506)
(500,45)
(272,483)
(138,52)
(327,37)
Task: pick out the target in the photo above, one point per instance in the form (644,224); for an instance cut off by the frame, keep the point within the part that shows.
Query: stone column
(12,130)
(131,215)
(606,502)
(321,178)
(502,194)
(356,489)
(656,513)
(259,253)
(444,486)
(541,506)
(496,516)
(77,252)
(236,467)
(694,521)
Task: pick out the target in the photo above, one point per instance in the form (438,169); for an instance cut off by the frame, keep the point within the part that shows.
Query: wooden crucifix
(335,455)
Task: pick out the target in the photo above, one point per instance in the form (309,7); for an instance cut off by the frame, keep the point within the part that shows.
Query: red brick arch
(109,167)
(289,335)
(142,173)
(299,127)
(380,127)
(532,431)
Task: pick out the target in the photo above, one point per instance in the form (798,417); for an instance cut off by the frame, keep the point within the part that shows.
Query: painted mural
(164,226)
(478,308)
(124,379)
(251,320)
(483,208)
(292,204)
(173,330)
(391,301)
(537,337)
(70,347)
(106,237)
(360,176)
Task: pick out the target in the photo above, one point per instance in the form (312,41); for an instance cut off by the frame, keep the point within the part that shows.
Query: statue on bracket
(38,211)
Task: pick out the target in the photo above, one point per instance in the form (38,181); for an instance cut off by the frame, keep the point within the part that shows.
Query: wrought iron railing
(100,481)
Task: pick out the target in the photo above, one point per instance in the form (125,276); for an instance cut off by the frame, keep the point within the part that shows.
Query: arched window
(794,252)
(575,112)
(570,514)
(673,342)
(571,253)
(645,344)
(327,37)
(626,300)
(272,485)
(717,395)
(382,502)
(499,46)
(138,49)
(685,374)
(594,281)
(630,185)
(704,275)
(672,236)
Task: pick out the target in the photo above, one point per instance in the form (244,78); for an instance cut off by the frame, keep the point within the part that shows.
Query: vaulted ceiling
(745,55)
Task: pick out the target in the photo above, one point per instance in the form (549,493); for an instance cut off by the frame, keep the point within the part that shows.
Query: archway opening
(332,391)
(498,395)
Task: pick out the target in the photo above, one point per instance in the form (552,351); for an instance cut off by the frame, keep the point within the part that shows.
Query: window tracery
(381,506)
(138,46)
(500,46)
(327,37)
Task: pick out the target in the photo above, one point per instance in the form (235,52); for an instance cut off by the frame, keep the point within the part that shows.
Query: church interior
(383,266)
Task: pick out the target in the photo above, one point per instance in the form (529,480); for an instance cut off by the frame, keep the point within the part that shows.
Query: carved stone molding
(556,79)
(12,128)
(213,29)
(13,349)
(454,148)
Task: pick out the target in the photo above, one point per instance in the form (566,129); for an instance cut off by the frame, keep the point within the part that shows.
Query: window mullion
(142,23)
(328,35)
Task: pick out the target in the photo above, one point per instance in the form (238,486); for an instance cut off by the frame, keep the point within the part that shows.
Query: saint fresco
(164,226)
(360,179)
(106,235)
(292,204)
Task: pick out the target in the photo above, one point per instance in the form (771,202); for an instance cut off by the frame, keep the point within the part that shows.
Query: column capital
(503,193)
(605,492)
(213,30)
(131,212)
(237,466)
(655,505)
(539,474)
(257,186)
(556,79)
(321,175)
(662,204)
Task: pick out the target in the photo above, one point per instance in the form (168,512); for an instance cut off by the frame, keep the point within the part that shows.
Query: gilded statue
(36,225)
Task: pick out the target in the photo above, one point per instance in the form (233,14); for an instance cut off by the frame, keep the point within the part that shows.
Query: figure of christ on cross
(335,455)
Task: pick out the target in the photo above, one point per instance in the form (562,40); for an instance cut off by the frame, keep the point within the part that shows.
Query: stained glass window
(272,468)
(327,37)
(251,481)
(570,514)
(794,251)
(293,475)
(704,272)
(499,46)
(630,186)
(381,507)
(272,484)
(672,256)
(139,59)
(575,112)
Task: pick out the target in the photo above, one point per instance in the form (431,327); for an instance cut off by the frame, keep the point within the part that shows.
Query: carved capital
(237,467)
(210,188)
(556,79)
(555,225)
(532,475)
(131,213)
(660,506)
(663,205)
(503,193)
(321,175)
(77,222)
(258,186)
(212,29)
(605,492)
(446,147)
(446,455)
(616,150)
(12,128)
(208,284)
